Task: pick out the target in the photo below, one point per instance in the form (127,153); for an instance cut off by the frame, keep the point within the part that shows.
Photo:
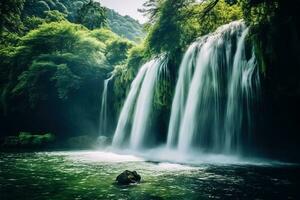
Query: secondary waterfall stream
(214,97)
(103,110)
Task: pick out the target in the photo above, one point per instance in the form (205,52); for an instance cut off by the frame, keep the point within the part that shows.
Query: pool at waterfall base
(91,175)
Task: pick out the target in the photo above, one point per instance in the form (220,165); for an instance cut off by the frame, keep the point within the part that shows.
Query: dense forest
(55,55)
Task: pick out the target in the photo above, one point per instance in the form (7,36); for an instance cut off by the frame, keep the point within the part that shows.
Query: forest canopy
(53,51)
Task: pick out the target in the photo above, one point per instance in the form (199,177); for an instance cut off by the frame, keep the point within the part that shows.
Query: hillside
(124,25)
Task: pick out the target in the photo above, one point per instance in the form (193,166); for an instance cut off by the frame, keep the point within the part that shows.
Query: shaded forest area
(54,58)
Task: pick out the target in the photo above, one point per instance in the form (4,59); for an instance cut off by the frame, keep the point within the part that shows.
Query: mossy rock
(128,177)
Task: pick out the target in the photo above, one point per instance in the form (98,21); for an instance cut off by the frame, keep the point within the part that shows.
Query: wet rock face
(128,177)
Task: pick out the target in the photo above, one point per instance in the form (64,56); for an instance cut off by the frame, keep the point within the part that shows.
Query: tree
(124,26)
(174,25)
(36,82)
(54,16)
(10,11)
(117,51)
(104,35)
(35,8)
(33,22)
(92,15)
(56,56)
(165,34)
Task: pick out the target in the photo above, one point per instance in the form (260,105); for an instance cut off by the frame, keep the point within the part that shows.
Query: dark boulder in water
(128,177)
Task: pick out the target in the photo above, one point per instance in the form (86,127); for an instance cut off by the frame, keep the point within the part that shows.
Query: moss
(258,50)
(28,140)
(163,95)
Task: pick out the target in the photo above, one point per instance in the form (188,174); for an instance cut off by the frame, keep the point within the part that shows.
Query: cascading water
(103,111)
(182,88)
(213,101)
(223,82)
(123,126)
(135,114)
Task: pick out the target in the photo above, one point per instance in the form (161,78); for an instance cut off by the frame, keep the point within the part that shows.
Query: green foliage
(274,30)
(54,61)
(123,79)
(10,12)
(136,57)
(65,80)
(8,39)
(36,81)
(163,93)
(49,65)
(117,51)
(175,25)
(64,34)
(61,7)
(124,26)
(55,16)
(104,35)
(31,23)
(73,8)
(92,15)
(35,8)
(260,13)
(221,14)
(59,52)
(164,34)
(124,74)
(29,140)
(260,16)
(40,8)
(32,81)
(25,15)
(25,138)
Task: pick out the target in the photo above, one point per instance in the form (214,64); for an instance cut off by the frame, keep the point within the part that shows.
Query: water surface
(91,175)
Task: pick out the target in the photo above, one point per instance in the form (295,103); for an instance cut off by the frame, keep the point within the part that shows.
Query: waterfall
(186,70)
(135,114)
(216,81)
(127,110)
(103,110)
(213,103)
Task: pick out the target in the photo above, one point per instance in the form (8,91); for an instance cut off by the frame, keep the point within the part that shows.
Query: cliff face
(277,45)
